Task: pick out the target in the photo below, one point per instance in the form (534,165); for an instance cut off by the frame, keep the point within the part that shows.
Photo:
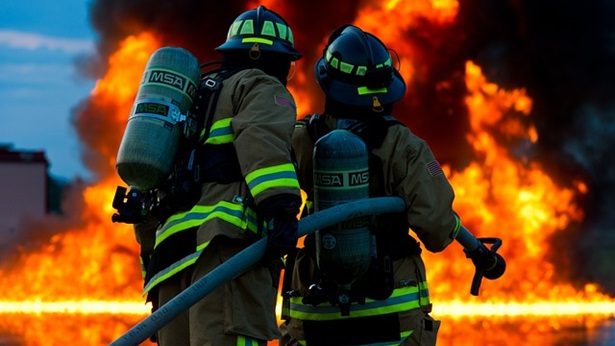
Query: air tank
(341,174)
(150,141)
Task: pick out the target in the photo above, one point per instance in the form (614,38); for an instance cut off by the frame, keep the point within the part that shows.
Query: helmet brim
(348,94)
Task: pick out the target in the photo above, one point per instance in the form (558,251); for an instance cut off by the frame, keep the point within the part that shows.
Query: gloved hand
(280,215)
(281,236)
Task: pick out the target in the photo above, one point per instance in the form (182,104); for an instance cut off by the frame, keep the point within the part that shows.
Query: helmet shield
(260,29)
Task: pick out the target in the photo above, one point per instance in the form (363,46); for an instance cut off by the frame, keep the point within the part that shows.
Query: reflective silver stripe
(278,176)
(402,299)
(171,270)
(232,213)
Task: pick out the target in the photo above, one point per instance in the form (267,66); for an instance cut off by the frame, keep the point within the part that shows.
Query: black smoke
(562,52)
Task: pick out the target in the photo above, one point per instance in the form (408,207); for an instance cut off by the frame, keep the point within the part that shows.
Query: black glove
(280,216)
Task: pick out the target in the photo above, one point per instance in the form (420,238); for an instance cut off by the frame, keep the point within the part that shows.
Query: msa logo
(359,178)
(167,78)
(341,179)
(329,180)
(152,108)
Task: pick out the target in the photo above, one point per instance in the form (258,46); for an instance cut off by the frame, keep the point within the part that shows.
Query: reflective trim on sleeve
(279,176)
(221,132)
(457,227)
(170,271)
(143,269)
(232,213)
(424,296)
(403,299)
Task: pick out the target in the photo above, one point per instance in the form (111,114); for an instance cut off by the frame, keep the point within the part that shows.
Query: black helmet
(260,29)
(356,70)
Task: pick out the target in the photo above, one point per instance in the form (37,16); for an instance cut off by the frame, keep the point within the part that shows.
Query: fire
(100,256)
(94,267)
(391,19)
(508,197)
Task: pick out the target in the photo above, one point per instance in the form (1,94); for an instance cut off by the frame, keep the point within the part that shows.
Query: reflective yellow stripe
(276,183)
(366,91)
(142,267)
(230,212)
(220,139)
(246,341)
(170,271)
(218,124)
(202,246)
(278,176)
(457,227)
(424,294)
(220,132)
(257,40)
(402,299)
(405,334)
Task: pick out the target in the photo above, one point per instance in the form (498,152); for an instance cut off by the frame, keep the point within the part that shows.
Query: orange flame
(98,261)
(514,199)
(503,193)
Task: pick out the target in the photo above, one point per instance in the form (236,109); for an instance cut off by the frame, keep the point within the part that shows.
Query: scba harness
(368,313)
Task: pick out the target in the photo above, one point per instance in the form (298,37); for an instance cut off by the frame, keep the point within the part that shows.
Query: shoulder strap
(315,125)
(207,99)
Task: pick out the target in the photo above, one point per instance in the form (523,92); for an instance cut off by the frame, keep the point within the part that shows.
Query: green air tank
(341,175)
(155,125)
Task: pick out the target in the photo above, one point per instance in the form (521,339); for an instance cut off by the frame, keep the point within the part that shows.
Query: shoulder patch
(284,102)
(434,168)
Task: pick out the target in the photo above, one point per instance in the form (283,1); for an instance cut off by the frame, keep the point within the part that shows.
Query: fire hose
(236,265)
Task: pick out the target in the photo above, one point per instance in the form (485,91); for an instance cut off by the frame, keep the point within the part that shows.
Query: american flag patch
(434,168)
(283,101)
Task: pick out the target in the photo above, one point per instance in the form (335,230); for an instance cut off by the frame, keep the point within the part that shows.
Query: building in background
(23,190)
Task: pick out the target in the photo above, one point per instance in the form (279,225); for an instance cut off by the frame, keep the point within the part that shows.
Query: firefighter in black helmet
(246,188)
(361,86)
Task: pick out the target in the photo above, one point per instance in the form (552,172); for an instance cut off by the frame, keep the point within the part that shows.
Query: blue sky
(39,83)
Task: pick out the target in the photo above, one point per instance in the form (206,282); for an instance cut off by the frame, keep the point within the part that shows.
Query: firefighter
(361,87)
(246,188)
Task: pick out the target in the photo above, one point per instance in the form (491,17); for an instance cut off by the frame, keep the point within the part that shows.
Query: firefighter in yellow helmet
(245,185)
(392,302)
